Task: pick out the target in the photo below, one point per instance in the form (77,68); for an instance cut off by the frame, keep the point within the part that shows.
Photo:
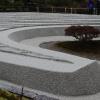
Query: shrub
(82,32)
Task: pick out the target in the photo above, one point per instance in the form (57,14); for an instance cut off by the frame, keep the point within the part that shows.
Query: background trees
(20,4)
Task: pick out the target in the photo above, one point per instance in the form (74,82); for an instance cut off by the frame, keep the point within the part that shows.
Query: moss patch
(5,95)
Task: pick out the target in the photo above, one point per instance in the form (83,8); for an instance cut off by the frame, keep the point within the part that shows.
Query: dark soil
(89,49)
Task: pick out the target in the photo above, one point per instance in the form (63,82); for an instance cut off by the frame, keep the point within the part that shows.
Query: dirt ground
(90,49)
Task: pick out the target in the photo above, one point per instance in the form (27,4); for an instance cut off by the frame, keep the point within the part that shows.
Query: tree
(83,33)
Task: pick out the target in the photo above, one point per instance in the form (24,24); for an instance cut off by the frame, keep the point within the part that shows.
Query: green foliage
(5,95)
(20,4)
(47,2)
